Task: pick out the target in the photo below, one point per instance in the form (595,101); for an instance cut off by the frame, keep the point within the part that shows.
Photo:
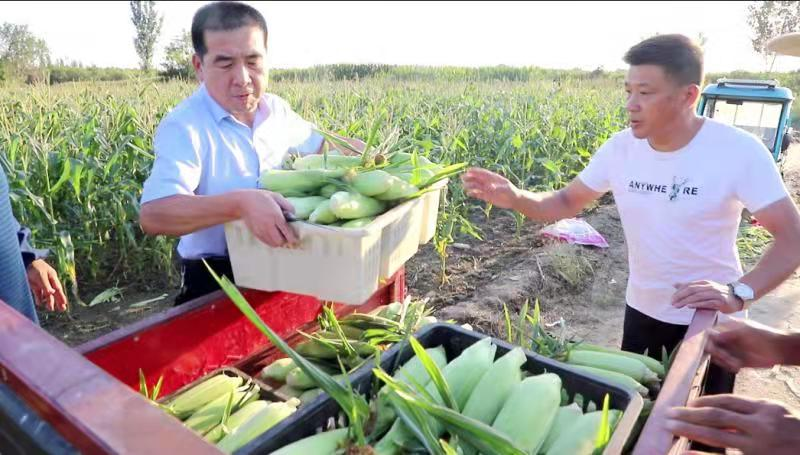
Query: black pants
(641,332)
(197,282)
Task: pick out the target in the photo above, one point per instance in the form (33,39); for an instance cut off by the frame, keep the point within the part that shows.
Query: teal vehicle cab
(760,107)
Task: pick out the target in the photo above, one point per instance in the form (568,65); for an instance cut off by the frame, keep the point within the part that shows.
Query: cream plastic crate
(431,211)
(336,264)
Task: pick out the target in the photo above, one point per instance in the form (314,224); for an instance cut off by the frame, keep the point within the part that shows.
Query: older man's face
(234,69)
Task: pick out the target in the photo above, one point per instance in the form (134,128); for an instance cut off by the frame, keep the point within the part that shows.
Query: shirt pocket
(272,148)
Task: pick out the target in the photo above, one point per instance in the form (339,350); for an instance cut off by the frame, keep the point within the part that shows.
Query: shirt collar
(217,111)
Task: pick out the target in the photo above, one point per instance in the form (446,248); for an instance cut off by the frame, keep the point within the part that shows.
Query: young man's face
(655,100)
(234,69)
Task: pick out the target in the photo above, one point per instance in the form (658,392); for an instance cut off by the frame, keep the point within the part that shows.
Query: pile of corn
(527,409)
(626,369)
(349,192)
(364,334)
(227,412)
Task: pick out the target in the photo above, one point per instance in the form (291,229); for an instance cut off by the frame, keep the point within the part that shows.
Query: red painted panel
(198,337)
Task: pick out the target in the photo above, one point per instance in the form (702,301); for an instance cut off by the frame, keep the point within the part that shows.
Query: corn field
(76,155)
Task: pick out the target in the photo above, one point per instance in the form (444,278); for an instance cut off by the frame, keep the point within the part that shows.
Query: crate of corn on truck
(497,399)
(585,404)
(221,410)
(588,397)
(358,219)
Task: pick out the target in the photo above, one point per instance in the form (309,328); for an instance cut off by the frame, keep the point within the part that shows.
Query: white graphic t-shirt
(681,210)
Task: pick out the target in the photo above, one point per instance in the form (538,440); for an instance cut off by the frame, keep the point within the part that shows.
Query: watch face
(743,291)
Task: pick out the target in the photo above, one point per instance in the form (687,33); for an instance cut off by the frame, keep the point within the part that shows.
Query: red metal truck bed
(90,394)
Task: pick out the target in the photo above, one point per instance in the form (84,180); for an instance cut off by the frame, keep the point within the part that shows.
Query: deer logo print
(676,188)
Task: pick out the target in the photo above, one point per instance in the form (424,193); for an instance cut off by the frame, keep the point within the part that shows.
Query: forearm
(184,214)
(546,206)
(777,264)
(790,347)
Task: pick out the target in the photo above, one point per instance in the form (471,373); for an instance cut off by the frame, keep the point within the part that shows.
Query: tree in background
(148,26)
(770,19)
(23,56)
(178,57)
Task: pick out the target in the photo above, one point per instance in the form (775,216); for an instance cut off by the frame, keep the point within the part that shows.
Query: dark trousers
(641,332)
(197,282)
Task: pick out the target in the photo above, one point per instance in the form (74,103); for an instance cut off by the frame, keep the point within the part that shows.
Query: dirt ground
(583,286)
(83,324)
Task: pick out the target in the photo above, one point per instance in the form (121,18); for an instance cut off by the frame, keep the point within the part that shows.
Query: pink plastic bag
(575,231)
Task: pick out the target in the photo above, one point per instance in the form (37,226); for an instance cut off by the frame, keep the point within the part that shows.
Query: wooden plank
(681,445)
(684,379)
(91,409)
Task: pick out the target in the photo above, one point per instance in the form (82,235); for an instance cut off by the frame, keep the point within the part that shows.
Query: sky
(582,35)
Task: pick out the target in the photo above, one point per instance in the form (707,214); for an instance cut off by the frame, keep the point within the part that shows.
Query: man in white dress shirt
(212,147)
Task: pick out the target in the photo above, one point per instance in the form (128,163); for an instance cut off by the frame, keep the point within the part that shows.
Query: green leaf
(353,405)
(474,432)
(334,325)
(65,174)
(509,327)
(157,388)
(373,133)
(551,166)
(416,422)
(143,384)
(445,172)
(448,449)
(338,141)
(435,373)
(226,413)
(109,295)
(520,323)
(604,432)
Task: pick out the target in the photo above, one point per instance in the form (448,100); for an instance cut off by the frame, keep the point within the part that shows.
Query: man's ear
(692,95)
(197,63)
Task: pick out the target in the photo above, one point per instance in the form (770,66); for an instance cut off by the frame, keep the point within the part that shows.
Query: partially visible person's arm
(29,254)
(782,257)
(739,343)
(549,206)
(591,183)
(761,190)
(791,348)
(42,278)
(731,421)
(262,211)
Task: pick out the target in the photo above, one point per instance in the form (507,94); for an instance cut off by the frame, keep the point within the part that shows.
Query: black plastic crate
(322,412)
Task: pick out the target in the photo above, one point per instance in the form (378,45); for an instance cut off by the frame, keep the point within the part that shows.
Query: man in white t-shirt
(212,147)
(680,183)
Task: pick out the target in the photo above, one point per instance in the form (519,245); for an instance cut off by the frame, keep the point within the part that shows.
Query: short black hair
(223,16)
(680,57)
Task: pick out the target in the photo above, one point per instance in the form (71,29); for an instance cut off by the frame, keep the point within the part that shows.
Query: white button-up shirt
(202,149)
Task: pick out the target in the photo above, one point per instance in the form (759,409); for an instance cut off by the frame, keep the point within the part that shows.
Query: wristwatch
(743,292)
